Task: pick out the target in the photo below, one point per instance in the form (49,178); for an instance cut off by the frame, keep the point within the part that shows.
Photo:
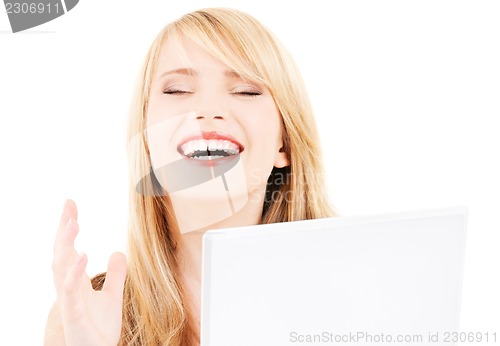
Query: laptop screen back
(360,280)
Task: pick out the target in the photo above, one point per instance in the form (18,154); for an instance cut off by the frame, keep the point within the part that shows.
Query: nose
(199,117)
(210,103)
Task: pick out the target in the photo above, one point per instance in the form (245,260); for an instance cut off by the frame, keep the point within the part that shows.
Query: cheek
(160,108)
(160,130)
(263,131)
(157,135)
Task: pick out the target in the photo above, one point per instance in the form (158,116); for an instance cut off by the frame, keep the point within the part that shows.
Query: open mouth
(209,149)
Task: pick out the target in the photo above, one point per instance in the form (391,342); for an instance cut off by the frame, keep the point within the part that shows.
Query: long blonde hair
(155,312)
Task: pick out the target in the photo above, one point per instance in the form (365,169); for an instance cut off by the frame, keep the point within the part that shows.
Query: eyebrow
(185,71)
(192,72)
(232,74)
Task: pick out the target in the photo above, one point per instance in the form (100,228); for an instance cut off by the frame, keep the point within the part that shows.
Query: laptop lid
(364,280)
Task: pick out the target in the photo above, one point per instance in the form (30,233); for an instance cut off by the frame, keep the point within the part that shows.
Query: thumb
(116,274)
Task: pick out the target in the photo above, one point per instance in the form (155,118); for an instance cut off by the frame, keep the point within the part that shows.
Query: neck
(189,256)
(190,245)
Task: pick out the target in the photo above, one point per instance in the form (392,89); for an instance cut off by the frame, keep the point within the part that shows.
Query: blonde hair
(155,312)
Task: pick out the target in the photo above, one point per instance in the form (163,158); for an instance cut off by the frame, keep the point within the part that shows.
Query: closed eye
(176,91)
(247,93)
(246,90)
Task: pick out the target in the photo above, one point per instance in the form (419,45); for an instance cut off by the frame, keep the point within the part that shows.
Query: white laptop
(369,280)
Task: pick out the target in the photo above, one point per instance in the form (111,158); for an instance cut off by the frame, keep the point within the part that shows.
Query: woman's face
(213,137)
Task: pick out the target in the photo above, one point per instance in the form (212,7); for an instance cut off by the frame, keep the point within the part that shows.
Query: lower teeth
(207,157)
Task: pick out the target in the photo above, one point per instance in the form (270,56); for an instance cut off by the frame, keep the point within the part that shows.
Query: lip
(206,135)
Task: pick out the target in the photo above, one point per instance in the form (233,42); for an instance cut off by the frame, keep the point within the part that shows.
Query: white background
(406,95)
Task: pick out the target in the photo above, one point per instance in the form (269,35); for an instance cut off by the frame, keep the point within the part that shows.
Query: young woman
(221,135)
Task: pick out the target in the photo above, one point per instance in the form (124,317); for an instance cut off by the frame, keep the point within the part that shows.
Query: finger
(69,212)
(116,274)
(74,284)
(65,253)
(66,238)
(65,241)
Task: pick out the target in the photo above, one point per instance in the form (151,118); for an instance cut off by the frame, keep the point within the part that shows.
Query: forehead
(185,54)
(179,53)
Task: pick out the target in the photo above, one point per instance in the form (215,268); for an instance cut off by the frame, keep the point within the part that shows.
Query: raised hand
(88,317)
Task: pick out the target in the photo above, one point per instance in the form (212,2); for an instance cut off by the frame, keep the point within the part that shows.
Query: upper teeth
(190,147)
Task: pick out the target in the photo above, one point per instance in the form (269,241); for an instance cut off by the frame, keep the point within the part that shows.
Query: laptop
(392,279)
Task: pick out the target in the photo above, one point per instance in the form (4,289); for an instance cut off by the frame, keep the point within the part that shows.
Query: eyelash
(183,92)
(249,93)
(175,91)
